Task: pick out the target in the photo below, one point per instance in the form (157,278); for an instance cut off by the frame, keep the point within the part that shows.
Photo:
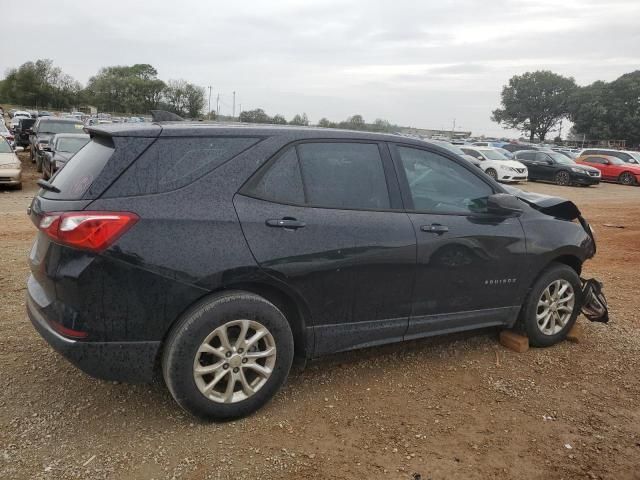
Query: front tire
(228,356)
(563,178)
(492,173)
(552,306)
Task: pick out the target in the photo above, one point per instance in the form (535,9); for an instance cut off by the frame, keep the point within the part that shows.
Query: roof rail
(164,116)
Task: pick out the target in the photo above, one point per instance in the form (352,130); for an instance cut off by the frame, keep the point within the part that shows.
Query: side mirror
(504,204)
(18,149)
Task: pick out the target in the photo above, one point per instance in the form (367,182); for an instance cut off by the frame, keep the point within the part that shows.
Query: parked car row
(560,165)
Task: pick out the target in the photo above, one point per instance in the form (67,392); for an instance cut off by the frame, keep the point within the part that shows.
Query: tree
(194,100)
(40,84)
(535,102)
(255,116)
(126,89)
(325,123)
(355,122)
(299,120)
(175,97)
(279,119)
(603,110)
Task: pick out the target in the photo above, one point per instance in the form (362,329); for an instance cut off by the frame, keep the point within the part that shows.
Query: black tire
(45,173)
(492,173)
(563,178)
(32,157)
(528,322)
(627,178)
(38,164)
(192,329)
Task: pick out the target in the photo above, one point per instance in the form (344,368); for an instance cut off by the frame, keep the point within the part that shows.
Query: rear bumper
(131,362)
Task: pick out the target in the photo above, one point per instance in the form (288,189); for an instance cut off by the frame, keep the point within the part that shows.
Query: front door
(325,218)
(469,262)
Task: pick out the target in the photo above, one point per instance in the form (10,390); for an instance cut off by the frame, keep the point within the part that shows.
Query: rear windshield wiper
(48,186)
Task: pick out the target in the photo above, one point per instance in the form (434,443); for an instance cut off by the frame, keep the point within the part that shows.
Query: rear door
(545,166)
(326,220)
(528,159)
(469,261)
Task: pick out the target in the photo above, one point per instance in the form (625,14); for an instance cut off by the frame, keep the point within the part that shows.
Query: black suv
(22,132)
(218,254)
(44,130)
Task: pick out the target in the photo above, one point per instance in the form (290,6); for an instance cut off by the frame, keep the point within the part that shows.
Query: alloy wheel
(626,179)
(492,173)
(234,361)
(562,178)
(555,307)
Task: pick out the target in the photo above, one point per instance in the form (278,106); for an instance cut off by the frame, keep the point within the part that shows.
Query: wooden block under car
(514,341)
(575,334)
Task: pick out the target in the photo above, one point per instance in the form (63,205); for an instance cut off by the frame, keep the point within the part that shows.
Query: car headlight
(42,145)
(60,163)
(577,170)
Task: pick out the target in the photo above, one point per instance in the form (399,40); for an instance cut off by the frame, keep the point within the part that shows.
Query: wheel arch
(293,309)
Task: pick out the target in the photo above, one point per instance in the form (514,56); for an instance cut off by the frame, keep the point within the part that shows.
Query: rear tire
(552,306)
(627,179)
(198,366)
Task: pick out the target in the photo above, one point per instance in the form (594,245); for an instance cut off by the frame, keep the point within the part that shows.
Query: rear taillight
(92,231)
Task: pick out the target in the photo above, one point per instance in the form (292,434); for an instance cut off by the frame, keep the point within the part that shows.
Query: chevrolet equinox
(215,255)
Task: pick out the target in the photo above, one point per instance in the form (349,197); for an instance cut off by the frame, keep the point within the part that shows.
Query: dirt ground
(455,407)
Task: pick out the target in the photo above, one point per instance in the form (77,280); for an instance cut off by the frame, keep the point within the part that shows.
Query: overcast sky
(418,63)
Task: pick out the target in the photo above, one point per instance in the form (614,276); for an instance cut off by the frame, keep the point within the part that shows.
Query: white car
(497,166)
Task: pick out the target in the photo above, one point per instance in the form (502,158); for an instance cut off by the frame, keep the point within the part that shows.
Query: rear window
(60,127)
(75,178)
(172,163)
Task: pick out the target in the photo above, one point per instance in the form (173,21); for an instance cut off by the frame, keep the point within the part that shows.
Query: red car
(612,168)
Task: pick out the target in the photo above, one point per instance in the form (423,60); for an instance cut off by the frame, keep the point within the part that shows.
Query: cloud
(414,63)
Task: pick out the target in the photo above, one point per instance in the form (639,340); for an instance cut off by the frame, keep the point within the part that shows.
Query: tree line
(536,102)
(354,122)
(122,89)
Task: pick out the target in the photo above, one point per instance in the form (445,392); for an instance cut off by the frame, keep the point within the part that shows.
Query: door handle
(286,222)
(435,228)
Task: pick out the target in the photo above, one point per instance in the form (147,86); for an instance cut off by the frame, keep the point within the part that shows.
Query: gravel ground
(453,407)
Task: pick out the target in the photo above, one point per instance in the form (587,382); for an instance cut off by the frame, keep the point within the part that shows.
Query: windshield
(60,127)
(635,155)
(71,145)
(4,146)
(449,146)
(493,155)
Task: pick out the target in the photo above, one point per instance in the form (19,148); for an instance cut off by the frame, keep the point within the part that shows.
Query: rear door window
(280,181)
(75,178)
(343,175)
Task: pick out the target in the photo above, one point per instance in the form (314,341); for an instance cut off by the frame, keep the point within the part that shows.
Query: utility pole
(218,105)
(453,130)
(234,105)
(209,110)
